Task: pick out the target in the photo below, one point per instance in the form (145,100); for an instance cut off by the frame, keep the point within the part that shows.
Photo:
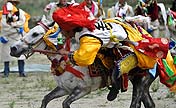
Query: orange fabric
(26,27)
(0,18)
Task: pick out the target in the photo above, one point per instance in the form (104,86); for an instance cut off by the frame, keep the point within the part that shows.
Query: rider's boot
(114,90)
(21,68)
(6,69)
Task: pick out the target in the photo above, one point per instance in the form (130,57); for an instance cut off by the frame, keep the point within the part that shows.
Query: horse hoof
(112,94)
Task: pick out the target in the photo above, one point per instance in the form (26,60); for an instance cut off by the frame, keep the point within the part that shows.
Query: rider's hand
(63,52)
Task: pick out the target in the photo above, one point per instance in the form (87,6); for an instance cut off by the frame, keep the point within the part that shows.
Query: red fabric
(173,13)
(5,11)
(71,17)
(74,71)
(154,47)
(162,73)
(67,44)
(153,11)
(124,82)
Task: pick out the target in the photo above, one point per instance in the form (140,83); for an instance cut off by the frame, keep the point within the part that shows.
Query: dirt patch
(17,92)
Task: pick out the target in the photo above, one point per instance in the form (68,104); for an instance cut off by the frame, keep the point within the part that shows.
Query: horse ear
(51,24)
(43,18)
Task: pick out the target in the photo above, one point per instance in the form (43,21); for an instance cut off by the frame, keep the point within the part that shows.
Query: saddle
(106,62)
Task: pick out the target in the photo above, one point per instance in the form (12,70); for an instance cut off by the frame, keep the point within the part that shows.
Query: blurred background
(35,7)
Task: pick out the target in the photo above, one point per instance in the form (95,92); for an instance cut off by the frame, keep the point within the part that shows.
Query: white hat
(17,1)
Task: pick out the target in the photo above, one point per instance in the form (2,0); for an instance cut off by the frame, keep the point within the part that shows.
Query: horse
(78,85)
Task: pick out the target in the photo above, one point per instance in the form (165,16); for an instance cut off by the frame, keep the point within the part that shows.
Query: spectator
(153,11)
(122,9)
(173,8)
(14,24)
(96,8)
(51,7)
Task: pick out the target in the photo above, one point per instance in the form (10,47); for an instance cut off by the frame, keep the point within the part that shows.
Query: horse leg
(75,95)
(141,87)
(116,86)
(137,93)
(56,93)
(146,97)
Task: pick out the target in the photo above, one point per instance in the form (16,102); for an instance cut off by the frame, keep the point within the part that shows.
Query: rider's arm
(85,55)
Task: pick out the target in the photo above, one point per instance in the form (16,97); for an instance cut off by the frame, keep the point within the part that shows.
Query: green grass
(12,104)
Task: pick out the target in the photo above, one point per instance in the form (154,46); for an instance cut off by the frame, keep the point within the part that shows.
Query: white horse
(70,84)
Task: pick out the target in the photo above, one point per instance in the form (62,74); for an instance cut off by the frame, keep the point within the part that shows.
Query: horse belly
(68,81)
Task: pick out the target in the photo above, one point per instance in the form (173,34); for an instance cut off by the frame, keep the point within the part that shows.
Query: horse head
(32,39)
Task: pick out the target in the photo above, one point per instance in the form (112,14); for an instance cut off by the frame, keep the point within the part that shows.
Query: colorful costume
(95,34)
(107,33)
(14,24)
(120,10)
(150,9)
(123,10)
(51,7)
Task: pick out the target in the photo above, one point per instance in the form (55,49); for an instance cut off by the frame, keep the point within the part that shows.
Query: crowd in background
(10,19)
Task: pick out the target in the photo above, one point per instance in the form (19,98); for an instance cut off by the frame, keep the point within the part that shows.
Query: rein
(43,25)
(45,51)
(32,46)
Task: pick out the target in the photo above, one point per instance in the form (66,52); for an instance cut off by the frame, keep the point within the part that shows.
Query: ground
(18,92)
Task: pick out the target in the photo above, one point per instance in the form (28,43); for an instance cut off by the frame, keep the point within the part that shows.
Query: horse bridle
(32,46)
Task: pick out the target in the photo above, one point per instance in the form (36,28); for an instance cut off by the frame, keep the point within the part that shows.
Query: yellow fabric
(108,14)
(170,62)
(45,37)
(0,18)
(128,64)
(85,55)
(14,9)
(173,88)
(144,61)
(26,27)
(27,16)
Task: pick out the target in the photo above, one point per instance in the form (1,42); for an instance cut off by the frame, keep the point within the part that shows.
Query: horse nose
(13,49)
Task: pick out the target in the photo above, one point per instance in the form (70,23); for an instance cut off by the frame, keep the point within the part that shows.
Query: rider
(13,21)
(49,9)
(93,35)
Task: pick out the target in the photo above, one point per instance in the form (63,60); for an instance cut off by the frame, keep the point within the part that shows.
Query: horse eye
(35,34)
